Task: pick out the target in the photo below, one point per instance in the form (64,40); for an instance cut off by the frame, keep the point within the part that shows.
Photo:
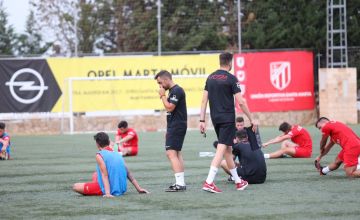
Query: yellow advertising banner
(132,86)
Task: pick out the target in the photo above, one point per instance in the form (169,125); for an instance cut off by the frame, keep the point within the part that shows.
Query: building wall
(337,94)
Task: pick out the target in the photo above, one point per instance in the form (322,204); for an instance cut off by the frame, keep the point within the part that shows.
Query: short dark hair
(320,119)
(163,73)
(241,134)
(123,124)
(225,59)
(2,125)
(102,139)
(239,119)
(285,127)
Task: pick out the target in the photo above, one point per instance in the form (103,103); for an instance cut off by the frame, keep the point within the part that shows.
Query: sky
(17,11)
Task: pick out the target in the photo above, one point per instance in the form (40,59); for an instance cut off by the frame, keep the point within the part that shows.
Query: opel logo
(26,85)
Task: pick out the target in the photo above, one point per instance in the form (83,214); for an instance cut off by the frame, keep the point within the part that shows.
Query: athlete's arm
(325,150)
(117,138)
(244,107)
(104,175)
(134,182)
(278,139)
(204,103)
(126,138)
(323,141)
(169,107)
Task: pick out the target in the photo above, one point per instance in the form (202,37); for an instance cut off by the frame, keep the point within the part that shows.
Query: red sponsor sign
(276,81)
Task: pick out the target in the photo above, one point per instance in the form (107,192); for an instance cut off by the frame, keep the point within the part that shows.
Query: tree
(6,33)
(56,19)
(31,42)
(284,24)
(193,25)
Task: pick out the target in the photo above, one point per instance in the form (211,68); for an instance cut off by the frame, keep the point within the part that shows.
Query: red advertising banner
(276,81)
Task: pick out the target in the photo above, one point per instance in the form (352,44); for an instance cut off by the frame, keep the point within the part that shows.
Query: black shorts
(225,133)
(253,179)
(175,138)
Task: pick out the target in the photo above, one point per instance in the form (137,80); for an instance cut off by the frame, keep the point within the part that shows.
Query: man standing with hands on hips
(175,105)
(220,89)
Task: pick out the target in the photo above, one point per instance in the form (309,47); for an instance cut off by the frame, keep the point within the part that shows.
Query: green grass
(37,183)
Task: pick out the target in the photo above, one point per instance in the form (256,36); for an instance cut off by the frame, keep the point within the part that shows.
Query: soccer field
(37,183)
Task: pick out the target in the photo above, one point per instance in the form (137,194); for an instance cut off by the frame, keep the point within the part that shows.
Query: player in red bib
(300,145)
(344,136)
(126,139)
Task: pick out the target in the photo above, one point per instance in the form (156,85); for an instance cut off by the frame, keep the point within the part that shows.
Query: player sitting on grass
(126,140)
(252,166)
(111,172)
(4,143)
(300,145)
(344,136)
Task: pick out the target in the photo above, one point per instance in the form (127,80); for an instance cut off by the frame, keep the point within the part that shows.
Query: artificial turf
(36,183)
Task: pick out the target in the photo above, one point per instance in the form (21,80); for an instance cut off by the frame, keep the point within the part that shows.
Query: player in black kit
(252,166)
(175,105)
(220,89)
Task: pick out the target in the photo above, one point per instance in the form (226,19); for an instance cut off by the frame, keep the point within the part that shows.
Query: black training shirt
(252,161)
(178,117)
(221,86)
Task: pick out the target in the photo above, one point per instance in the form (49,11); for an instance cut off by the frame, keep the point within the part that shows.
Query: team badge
(280,74)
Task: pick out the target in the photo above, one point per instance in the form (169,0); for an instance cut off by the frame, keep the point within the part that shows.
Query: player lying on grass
(251,166)
(126,140)
(4,143)
(300,145)
(112,174)
(344,136)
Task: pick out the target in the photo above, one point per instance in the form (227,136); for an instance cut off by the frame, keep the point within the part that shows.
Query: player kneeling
(344,136)
(112,173)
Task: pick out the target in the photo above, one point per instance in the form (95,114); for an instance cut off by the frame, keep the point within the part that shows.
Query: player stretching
(110,179)
(126,140)
(175,105)
(252,166)
(4,143)
(300,145)
(220,89)
(344,136)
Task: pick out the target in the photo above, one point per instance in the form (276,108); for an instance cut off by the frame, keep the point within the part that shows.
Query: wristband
(202,120)
(161,96)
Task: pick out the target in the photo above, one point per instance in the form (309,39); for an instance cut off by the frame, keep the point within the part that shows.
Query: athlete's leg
(351,160)
(181,160)
(223,165)
(335,164)
(287,147)
(79,188)
(220,151)
(176,164)
(229,158)
(126,151)
(352,171)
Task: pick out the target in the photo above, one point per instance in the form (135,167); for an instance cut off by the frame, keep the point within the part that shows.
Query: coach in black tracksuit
(175,105)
